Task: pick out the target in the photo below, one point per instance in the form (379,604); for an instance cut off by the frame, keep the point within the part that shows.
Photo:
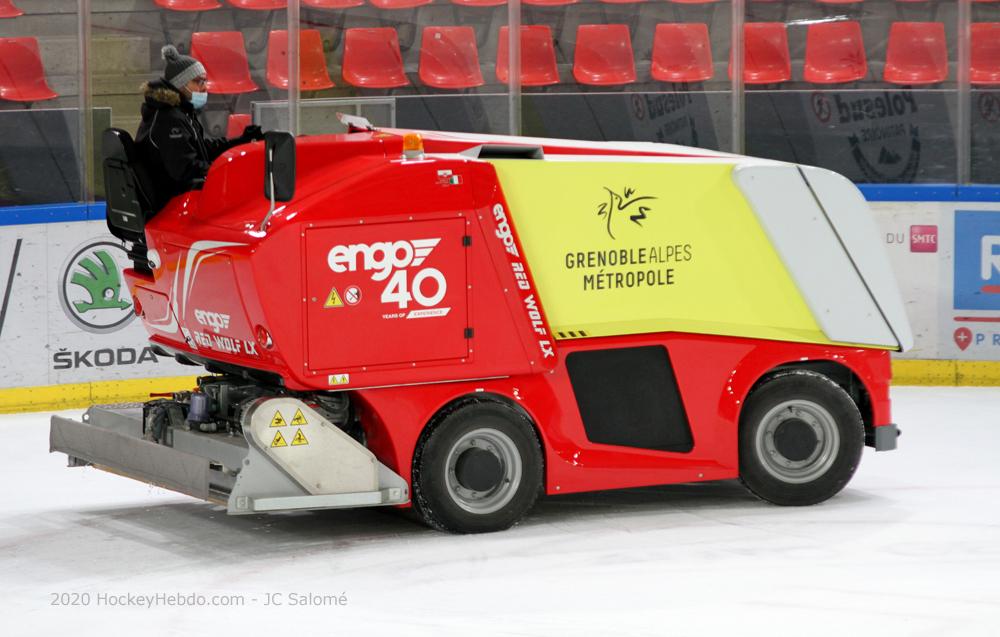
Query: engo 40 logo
(391,261)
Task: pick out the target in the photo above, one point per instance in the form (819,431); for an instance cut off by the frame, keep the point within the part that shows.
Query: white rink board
(65,323)
(944,299)
(40,344)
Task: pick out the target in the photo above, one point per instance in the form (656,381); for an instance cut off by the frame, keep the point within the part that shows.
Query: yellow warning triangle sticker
(333,299)
(299,439)
(279,440)
(299,419)
(278,420)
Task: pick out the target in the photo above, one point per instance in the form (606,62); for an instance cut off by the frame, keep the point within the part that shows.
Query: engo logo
(390,260)
(503,230)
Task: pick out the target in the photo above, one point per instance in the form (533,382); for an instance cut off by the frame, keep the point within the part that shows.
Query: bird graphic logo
(624,204)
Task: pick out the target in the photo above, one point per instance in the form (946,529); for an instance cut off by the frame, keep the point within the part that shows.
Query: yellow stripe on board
(941,372)
(85,394)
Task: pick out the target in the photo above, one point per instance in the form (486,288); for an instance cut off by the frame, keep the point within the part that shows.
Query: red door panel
(386,294)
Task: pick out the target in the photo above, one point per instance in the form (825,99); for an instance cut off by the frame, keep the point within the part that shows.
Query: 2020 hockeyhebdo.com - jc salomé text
(194,600)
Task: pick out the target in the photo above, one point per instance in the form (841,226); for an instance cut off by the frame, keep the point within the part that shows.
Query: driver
(171,141)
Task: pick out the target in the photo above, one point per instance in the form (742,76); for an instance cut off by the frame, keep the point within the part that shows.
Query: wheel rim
(785,436)
(503,449)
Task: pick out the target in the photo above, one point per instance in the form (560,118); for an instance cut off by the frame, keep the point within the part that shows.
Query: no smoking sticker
(352,295)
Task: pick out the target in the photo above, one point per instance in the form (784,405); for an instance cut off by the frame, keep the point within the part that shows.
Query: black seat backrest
(127,186)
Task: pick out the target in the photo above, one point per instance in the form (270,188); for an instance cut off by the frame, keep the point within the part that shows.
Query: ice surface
(911,547)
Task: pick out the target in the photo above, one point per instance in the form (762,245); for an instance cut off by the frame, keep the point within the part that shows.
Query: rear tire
(800,439)
(477,470)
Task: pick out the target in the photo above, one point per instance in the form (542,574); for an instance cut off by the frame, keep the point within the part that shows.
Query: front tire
(478,469)
(800,439)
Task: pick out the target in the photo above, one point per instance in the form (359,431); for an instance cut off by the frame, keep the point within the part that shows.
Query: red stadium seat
(332,4)
(694,1)
(766,60)
(22,77)
(449,59)
(916,54)
(682,53)
(8,10)
(985,64)
(479,3)
(372,58)
(835,52)
(313,75)
(621,1)
(237,122)
(188,5)
(538,57)
(225,58)
(399,4)
(603,55)
(260,5)
(548,3)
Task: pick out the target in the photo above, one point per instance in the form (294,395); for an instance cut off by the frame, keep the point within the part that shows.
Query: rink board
(68,334)
(60,349)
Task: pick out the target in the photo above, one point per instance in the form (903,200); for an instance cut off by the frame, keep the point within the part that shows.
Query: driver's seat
(129,192)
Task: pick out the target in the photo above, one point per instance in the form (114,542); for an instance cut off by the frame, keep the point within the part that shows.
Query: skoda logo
(91,288)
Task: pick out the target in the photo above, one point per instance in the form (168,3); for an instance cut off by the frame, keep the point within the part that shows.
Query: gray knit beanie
(180,69)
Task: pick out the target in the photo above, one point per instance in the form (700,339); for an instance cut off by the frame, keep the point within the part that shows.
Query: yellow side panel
(627,248)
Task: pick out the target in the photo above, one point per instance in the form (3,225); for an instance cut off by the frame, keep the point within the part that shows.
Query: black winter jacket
(172,143)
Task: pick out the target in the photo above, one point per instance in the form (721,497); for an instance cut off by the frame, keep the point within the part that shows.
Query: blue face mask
(199,99)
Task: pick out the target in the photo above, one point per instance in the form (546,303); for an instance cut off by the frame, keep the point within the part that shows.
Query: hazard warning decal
(279,440)
(333,300)
(299,419)
(339,379)
(299,439)
(278,420)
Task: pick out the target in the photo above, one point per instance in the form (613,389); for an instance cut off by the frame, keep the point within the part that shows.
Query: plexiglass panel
(238,41)
(869,88)
(984,99)
(865,88)
(621,70)
(409,63)
(41,154)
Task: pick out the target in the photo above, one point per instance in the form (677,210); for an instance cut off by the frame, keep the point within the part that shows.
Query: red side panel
(714,375)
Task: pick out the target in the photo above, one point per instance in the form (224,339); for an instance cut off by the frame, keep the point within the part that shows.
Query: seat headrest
(117,144)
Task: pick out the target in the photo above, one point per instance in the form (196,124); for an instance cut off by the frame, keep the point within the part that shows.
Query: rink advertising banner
(66,316)
(946,256)
(972,327)
(65,311)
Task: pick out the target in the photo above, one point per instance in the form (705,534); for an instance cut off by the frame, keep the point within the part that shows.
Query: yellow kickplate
(73,395)
(946,372)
